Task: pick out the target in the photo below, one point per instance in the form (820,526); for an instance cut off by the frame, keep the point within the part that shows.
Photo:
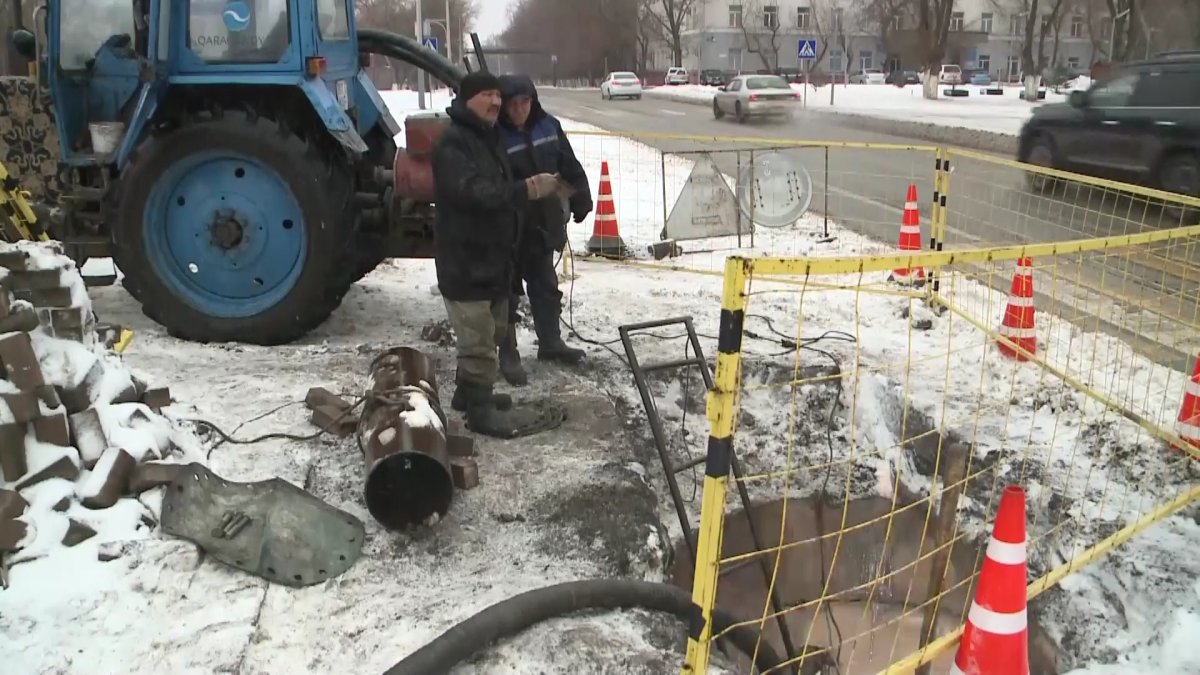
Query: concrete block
(48,395)
(157,399)
(5,303)
(88,436)
(14,260)
(62,467)
(79,398)
(22,320)
(35,280)
(465,473)
(12,451)
(12,504)
(460,446)
(77,533)
(11,532)
(319,396)
(63,319)
(19,361)
(54,297)
(110,479)
(326,417)
(149,475)
(23,406)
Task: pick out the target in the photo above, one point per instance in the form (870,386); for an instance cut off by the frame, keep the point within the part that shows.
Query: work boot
(483,417)
(510,360)
(550,343)
(459,401)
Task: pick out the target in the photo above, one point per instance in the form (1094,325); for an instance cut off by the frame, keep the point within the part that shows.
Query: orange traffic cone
(606,234)
(1017,325)
(1189,412)
(996,638)
(910,238)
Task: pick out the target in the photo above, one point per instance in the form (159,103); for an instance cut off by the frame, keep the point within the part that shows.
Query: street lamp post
(1112,34)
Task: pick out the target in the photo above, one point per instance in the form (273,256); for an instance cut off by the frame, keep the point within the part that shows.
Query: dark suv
(1140,125)
(712,78)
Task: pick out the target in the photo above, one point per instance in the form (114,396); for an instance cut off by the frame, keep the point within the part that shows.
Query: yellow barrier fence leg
(722,410)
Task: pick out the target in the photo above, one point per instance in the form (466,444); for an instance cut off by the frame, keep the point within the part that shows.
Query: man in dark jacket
(536,144)
(479,200)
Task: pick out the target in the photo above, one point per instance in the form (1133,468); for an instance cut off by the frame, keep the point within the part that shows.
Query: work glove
(541,186)
(581,212)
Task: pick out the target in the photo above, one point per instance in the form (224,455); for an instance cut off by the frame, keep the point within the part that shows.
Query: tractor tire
(229,230)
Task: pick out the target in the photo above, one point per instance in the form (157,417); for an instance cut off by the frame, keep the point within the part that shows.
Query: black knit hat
(477,82)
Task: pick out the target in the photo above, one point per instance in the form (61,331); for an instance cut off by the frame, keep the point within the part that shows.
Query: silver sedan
(755,96)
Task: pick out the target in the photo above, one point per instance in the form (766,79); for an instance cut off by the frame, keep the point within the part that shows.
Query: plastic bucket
(106,136)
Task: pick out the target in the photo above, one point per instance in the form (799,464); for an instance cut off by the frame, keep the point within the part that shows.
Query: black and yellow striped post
(722,411)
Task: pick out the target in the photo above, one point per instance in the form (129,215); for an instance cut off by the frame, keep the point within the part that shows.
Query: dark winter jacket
(479,200)
(542,147)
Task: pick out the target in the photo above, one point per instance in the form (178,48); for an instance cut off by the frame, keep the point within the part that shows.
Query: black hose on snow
(411,52)
(510,617)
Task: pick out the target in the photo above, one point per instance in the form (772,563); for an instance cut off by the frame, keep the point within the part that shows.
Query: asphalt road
(1149,297)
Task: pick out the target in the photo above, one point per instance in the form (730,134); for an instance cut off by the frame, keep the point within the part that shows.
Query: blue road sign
(236,16)
(806,50)
(430,42)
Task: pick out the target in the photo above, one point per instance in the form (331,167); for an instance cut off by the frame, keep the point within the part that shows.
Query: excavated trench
(864,627)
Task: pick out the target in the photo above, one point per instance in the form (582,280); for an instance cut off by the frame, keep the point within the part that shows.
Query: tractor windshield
(87,24)
(239,31)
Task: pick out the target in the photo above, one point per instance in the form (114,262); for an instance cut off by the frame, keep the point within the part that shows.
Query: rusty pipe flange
(402,432)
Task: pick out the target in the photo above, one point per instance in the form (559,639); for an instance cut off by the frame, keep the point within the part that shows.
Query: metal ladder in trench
(660,442)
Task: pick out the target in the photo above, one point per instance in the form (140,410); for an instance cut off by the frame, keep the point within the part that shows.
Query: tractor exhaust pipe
(402,432)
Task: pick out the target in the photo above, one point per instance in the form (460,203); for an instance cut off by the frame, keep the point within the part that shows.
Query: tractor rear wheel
(228,228)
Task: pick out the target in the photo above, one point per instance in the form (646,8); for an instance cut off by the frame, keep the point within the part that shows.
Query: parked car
(677,75)
(712,78)
(978,78)
(621,84)
(950,74)
(755,96)
(903,77)
(869,76)
(1140,125)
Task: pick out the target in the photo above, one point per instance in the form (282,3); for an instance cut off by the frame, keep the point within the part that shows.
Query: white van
(677,75)
(950,74)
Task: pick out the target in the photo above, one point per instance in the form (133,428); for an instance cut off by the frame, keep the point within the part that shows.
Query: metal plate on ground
(270,528)
(774,190)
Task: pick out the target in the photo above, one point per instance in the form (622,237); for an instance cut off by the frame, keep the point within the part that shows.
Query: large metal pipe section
(402,432)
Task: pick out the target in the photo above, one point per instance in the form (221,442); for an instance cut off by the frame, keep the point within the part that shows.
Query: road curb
(974,139)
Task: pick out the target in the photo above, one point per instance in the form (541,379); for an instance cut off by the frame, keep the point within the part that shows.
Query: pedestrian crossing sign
(807,49)
(430,42)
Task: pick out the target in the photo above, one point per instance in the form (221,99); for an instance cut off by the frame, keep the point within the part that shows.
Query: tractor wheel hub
(227,230)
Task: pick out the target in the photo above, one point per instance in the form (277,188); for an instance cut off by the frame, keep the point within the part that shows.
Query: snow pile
(978,111)
(74,426)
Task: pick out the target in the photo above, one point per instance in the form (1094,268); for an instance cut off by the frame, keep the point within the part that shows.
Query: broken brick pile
(56,427)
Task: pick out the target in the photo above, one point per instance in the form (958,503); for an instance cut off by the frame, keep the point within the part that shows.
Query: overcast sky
(493,18)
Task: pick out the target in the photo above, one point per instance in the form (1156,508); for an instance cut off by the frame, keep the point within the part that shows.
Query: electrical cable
(227,437)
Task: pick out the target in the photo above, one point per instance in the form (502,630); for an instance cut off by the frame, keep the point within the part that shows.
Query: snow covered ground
(1004,114)
(161,607)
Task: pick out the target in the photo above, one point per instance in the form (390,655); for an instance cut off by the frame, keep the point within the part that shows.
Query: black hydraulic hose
(410,51)
(510,617)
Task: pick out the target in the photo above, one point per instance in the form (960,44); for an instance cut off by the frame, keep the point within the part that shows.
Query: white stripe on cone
(1018,301)
(910,206)
(1192,388)
(606,217)
(996,623)
(1006,553)
(605,198)
(1189,431)
(1023,271)
(1010,331)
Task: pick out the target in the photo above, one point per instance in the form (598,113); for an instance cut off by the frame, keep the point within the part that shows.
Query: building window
(837,19)
(984,63)
(1073,63)
(985,22)
(895,21)
(1076,26)
(1014,66)
(735,59)
(835,61)
(866,60)
(1016,25)
(771,16)
(803,18)
(956,21)
(735,16)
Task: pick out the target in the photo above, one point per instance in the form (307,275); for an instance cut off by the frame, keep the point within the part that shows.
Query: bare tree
(670,16)
(649,33)
(933,32)
(884,18)
(1038,25)
(760,30)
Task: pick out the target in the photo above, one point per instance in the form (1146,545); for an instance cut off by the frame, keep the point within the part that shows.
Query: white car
(869,76)
(621,84)
(756,96)
(950,74)
(677,75)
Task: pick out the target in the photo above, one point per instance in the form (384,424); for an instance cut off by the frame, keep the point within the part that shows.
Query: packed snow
(151,609)
(1004,113)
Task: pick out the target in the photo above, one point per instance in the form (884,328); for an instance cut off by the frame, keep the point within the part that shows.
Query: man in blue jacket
(537,145)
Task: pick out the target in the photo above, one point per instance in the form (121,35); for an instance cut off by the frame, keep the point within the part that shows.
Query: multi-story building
(751,35)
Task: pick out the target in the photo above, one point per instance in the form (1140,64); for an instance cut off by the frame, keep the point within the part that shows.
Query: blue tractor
(232,156)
